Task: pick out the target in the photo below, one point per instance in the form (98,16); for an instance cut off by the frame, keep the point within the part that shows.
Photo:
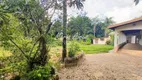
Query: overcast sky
(120,10)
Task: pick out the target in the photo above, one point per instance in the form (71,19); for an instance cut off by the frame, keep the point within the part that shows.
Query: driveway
(109,66)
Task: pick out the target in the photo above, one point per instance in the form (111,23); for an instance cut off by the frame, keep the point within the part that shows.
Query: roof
(125,23)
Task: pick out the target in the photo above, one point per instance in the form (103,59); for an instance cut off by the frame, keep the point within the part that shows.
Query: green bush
(108,42)
(73,49)
(87,42)
(59,43)
(56,43)
(40,73)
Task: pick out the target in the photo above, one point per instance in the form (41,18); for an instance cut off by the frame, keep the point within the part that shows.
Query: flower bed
(72,61)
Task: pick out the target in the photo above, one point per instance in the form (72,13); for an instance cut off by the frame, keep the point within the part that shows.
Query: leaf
(39,75)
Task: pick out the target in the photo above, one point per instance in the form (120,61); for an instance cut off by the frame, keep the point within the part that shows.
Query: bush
(40,73)
(56,43)
(87,42)
(108,42)
(73,49)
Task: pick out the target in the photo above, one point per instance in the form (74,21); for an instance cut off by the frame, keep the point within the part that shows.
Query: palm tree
(107,22)
(79,5)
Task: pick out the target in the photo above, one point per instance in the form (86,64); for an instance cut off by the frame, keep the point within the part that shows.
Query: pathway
(105,67)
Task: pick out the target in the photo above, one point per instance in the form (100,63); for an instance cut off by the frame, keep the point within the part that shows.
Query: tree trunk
(64,52)
(43,52)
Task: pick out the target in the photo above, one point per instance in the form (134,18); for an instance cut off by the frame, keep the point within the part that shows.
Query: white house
(128,32)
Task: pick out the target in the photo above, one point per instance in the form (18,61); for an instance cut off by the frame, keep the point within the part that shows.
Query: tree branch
(48,27)
(19,48)
(33,48)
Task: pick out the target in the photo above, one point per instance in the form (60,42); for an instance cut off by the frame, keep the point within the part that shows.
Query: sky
(120,10)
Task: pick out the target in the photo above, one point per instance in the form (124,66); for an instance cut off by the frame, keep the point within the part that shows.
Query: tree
(107,22)
(101,25)
(30,32)
(64,53)
(79,5)
(80,25)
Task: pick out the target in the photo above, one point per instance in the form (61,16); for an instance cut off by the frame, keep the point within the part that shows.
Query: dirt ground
(105,67)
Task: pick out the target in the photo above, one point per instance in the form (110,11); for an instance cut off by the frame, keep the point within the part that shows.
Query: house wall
(140,42)
(121,37)
(133,39)
(99,41)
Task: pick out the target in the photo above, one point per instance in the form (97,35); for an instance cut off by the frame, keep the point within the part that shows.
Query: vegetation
(26,35)
(79,5)
(73,49)
(4,53)
(30,40)
(79,26)
(100,26)
(97,48)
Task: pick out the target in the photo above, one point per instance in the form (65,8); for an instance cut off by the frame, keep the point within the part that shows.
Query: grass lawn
(94,49)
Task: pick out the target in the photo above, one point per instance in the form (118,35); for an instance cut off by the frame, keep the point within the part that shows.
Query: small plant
(108,42)
(73,49)
(40,73)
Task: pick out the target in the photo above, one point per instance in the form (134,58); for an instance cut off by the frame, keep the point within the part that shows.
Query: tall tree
(64,53)
(32,28)
(101,25)
(79,5)
(107,22)
(80,25)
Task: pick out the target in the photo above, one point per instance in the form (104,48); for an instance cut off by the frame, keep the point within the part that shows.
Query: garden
(35,46)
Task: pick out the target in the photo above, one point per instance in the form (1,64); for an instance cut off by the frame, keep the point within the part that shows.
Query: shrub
(56,43)
(73,49)
(86,42)
(108,42)
(40,73)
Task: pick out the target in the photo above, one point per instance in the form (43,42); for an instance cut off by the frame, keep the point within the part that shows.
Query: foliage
(26,34)
(108,42)
(79,5)
(56,29)
(79,26)
(86,42)
(100,26)
(4,53)
(40,73)
(73,49)
(57,43)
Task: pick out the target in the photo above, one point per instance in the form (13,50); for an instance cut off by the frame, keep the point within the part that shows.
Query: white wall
(122,38)
(101,41)
(115,38)
(140,42)
(133,39)
(119,38)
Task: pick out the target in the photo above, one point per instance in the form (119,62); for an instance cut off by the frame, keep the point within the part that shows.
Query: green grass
(97,48)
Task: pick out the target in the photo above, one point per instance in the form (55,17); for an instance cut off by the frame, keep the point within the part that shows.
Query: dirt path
(105,67)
